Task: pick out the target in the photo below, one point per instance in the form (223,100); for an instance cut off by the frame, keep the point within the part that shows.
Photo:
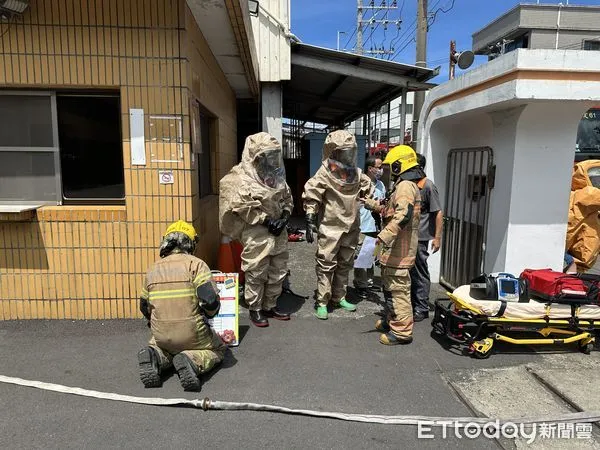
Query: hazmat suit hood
(340,156)
(255,187)
(262,159)
(586,173)
(583,231)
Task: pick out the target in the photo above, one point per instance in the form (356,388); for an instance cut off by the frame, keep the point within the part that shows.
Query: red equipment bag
(558,287)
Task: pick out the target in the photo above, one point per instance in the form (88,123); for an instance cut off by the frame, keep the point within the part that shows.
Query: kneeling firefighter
(255,206)
(177,298)
(331,201)
(399,240)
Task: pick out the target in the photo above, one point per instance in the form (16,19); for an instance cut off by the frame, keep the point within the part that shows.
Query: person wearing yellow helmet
(177,298)
(400,214)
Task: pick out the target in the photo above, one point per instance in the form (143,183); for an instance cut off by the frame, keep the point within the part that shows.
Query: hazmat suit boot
(321,312)
(258,319)
(346,305)
(189,375)
(275,313)
(148,362)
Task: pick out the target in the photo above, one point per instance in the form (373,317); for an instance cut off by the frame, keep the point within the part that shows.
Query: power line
(376,19)
(350,38)
(406,38)
(376,26)
(401,39)
(405,41)
(441,9)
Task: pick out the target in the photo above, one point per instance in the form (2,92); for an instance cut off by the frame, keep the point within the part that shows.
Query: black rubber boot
(390,339)
(362,293)
(420,316)
(188,373)
(149,368)
(258,319)
(274,313)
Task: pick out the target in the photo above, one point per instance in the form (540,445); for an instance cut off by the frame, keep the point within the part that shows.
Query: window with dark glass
(588,132)
(57,147)
(591,44)
(202,146)
(91,149)
(518,42)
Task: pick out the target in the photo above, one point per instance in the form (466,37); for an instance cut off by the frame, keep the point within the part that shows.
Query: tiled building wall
(215,95)
(87,262)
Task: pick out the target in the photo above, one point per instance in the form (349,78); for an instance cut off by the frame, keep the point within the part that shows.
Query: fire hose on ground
(207,404)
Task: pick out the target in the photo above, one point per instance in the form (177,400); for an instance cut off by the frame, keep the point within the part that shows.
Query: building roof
(533,6)
(526,16)
(225,25)
(334,87)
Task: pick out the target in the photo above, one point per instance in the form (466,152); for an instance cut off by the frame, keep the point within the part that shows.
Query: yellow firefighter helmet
(404,155)
(183,227)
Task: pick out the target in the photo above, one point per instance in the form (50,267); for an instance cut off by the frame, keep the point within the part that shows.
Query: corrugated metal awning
(334,87)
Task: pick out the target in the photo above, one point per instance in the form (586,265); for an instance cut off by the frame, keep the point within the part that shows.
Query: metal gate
(470,177)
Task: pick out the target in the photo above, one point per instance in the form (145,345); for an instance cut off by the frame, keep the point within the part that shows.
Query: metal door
(469,179)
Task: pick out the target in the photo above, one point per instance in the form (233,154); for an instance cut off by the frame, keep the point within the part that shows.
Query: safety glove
(311,227)
(271,225)
(377,218)
(281,223)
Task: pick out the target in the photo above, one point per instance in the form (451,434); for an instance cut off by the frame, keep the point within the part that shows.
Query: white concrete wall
(272,44)
(541,184)
(271,107)
(531,125)
(503,142)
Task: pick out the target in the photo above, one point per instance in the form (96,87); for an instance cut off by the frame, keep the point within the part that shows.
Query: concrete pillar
(534,150)
(502,141)
(271,107)
(543,167)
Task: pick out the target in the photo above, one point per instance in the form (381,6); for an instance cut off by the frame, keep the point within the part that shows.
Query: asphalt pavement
(334,365)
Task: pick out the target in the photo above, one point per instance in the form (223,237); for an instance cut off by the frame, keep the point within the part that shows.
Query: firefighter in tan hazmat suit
(178,296)
(332,212)
(255,207)
(399,241)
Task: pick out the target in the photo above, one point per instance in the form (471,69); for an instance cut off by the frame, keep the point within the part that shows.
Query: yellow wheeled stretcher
(475,325)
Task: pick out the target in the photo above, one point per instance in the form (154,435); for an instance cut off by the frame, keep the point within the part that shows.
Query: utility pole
(338,38)
(451,68)
(359,27)
(422,25)
(367,15)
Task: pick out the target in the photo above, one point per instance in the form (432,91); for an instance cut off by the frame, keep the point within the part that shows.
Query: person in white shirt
(369,226)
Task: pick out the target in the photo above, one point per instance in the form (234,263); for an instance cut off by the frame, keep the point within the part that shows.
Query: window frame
(196,140)
(55,149)
(585,42)
(108,201)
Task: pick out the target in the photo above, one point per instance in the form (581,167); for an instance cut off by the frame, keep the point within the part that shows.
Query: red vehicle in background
(381,148)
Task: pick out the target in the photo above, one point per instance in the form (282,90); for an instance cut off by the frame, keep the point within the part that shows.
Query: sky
(318,21)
